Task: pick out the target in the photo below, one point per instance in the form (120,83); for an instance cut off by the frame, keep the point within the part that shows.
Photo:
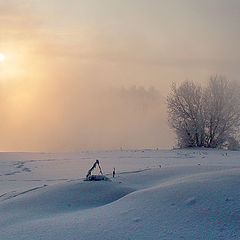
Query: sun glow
(2,57)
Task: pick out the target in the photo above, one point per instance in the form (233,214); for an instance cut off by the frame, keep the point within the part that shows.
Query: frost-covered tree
(222,107)
(207,116)
(185,107)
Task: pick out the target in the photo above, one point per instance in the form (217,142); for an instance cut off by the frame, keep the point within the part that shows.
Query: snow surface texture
(156,194)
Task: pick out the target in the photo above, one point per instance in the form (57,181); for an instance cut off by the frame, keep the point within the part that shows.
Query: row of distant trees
(205,116)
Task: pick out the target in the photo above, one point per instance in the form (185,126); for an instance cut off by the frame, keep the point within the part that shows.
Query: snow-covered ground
(156,194)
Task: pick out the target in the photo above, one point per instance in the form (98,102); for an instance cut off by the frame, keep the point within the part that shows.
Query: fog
(72,115)
(85,75)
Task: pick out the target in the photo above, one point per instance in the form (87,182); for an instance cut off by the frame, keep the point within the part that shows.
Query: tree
(208,116)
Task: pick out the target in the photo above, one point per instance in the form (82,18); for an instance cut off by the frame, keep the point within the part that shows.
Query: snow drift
(184,201)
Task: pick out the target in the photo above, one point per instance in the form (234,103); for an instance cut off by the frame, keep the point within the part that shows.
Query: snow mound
(175,202)
(60,198)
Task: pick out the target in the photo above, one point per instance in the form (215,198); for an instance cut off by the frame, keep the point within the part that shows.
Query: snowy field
(156,194)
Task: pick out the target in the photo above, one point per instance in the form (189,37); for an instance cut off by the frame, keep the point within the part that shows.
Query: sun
(2,57)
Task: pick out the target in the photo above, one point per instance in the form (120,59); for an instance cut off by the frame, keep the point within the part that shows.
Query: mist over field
(85,75)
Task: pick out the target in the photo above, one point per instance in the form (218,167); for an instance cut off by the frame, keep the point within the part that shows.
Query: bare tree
(204,116)
(222,107)
(185,108)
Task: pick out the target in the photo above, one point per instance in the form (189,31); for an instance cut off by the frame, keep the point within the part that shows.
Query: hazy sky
(91,74)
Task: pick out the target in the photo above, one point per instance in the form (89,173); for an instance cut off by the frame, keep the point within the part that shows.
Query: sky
(94,75)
